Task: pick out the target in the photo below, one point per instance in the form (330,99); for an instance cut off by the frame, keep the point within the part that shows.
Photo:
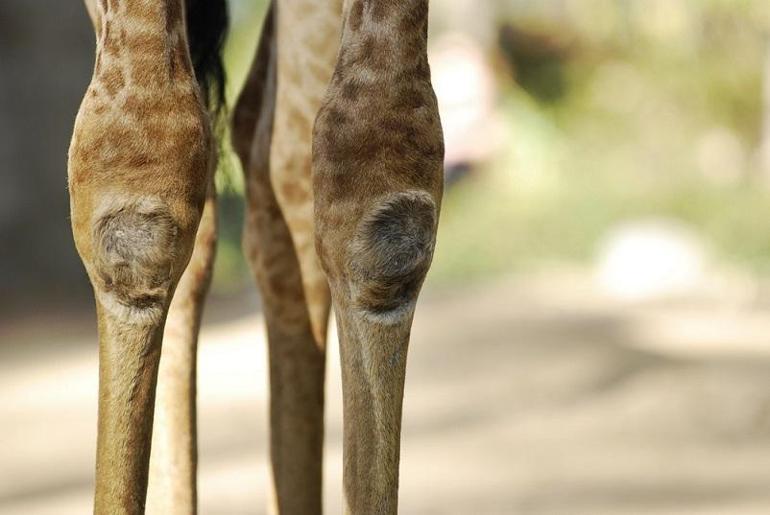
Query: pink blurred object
(466,92)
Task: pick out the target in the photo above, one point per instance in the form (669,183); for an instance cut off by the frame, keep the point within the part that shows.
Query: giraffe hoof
(392,251)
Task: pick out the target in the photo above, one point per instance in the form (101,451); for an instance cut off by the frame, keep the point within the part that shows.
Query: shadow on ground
(522,397)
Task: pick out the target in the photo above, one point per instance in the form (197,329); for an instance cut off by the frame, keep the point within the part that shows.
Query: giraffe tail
(207,25)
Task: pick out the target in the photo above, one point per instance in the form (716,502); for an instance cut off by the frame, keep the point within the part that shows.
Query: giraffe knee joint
(391,253)
(134,246)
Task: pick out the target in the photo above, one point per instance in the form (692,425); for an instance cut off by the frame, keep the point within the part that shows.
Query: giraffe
(338,132)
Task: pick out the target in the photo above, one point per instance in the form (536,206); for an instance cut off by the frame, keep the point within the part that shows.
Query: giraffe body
(337,129)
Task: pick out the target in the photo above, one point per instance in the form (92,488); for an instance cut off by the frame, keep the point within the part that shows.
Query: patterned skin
(296,356)
(344,210)
(377,178)
(308,36)
(140,167)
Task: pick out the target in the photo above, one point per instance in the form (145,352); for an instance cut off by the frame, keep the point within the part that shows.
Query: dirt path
(530,398)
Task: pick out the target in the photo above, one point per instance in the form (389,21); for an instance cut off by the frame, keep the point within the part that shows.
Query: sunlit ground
(536,396)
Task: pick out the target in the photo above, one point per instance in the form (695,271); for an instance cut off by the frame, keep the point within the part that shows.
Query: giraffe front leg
(135,252)
(376,277)
(138,170)
(377,170)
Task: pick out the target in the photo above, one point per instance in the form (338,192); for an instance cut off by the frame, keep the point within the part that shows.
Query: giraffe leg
(138,169)
(296,327)
(377,170)
(173,461)
(307,34)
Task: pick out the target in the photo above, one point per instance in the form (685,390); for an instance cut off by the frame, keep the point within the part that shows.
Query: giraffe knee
(392,251)
(134,250)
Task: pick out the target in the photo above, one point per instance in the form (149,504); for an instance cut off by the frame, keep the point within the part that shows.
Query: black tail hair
(207,25)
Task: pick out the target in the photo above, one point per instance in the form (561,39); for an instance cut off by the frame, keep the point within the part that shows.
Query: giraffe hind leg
(304,68)
(296,356)
(173,459)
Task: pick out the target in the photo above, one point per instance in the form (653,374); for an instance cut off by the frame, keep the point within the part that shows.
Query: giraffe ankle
(391,253)
(134,251)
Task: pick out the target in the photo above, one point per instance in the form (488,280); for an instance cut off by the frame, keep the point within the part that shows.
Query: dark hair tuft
(207,25)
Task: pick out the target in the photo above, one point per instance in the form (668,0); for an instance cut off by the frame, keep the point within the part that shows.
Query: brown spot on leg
(294,193)
(145,44)
(350,90)
(356,15)
(379,9)
(113,80)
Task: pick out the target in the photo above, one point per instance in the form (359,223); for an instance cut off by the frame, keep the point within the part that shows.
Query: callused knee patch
(392,250)
(134,249)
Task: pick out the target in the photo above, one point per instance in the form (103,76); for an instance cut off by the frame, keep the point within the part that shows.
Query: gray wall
(46,58)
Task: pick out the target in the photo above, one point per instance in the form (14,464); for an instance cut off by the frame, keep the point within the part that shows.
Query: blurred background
(594,336)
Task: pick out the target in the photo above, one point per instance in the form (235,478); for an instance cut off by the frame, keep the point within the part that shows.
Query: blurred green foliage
(658,114)
(231,272)
(612,109)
